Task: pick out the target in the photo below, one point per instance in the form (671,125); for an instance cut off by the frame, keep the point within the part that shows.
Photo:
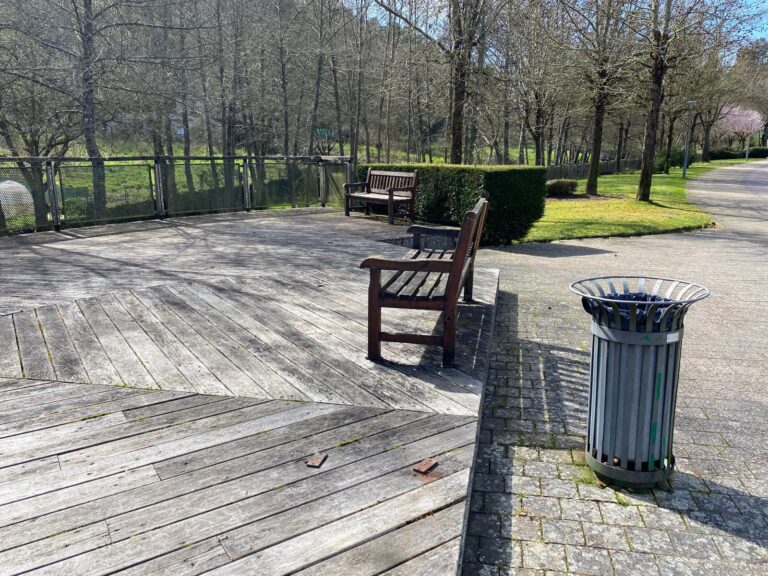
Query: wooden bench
(425,280)
(390,188)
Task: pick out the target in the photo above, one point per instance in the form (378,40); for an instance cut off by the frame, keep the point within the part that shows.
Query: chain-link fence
(98,192)
(24,199)
(39,194)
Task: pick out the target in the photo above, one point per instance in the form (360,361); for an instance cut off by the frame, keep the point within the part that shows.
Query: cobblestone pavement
(536,508)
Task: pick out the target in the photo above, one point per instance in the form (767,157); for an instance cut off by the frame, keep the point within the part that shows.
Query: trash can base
(616,476)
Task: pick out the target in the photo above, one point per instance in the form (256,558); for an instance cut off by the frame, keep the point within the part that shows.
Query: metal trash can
(637,327)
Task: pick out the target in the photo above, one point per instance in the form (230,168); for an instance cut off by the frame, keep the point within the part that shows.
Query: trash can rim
(697,291)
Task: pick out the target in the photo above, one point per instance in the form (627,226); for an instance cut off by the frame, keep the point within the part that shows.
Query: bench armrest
(420,229)
(349,186)
(406,264)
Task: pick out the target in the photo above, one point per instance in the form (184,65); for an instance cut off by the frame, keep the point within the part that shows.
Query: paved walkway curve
(535,506)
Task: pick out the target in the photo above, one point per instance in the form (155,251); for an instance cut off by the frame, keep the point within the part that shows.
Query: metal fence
(41,193)
(573,171)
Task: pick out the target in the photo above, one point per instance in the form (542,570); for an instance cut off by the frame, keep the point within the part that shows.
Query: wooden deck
(164,427)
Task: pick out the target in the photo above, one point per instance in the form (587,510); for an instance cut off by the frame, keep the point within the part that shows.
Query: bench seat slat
(381,197)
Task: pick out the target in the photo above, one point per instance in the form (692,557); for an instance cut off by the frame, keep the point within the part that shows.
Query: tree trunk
(619,145)
(522,157)
(171,182)
(597,143)
(458,100)
(670,137)
(651,128)
(88,86)
(206,104)
(705,141)
(185,108)
(505,132)
(315,104)
(284,92)
(337,99)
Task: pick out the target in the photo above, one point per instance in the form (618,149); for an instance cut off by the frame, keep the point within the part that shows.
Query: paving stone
(544,556)
(662,518)
(699,546)
(562,532)
(592,561)
(523,485)
(605,536)
(620,515)
(591,492)
(542,507)
(498,552)
(559,488)
(741,549)
(485,525)
(541,469)
(521,528)
(488,482)
(635,564)
(650,541)
(580,510)
(476,569)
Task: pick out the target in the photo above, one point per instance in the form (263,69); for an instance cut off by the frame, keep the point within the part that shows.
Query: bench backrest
(380,181)
(466,248)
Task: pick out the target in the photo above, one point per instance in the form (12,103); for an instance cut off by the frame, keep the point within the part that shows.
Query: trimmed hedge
(727,154)
(445,192)
(561,187)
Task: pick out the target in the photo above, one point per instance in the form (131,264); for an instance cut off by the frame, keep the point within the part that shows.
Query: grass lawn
(616,212)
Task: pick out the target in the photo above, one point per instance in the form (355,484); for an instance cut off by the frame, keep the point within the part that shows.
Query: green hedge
(445,192)
(727,154)
(561,187)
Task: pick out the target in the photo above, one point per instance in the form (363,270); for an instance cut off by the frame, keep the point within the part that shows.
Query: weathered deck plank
(125,477)
(10,363)
(123,358)
(66,361)
(96,361)
(35,360)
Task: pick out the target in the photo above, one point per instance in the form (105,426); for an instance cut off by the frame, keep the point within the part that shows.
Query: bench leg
(346,205)
(374,317)
(449,334)
(391,212)
(469,284)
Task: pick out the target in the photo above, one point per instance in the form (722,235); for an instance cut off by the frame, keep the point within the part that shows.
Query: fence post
(246,184)
(349,175)
(53,200)
(323,183)
(159,200)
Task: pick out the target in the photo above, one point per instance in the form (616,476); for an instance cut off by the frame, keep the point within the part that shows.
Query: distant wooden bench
(380,187)
(425,280)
